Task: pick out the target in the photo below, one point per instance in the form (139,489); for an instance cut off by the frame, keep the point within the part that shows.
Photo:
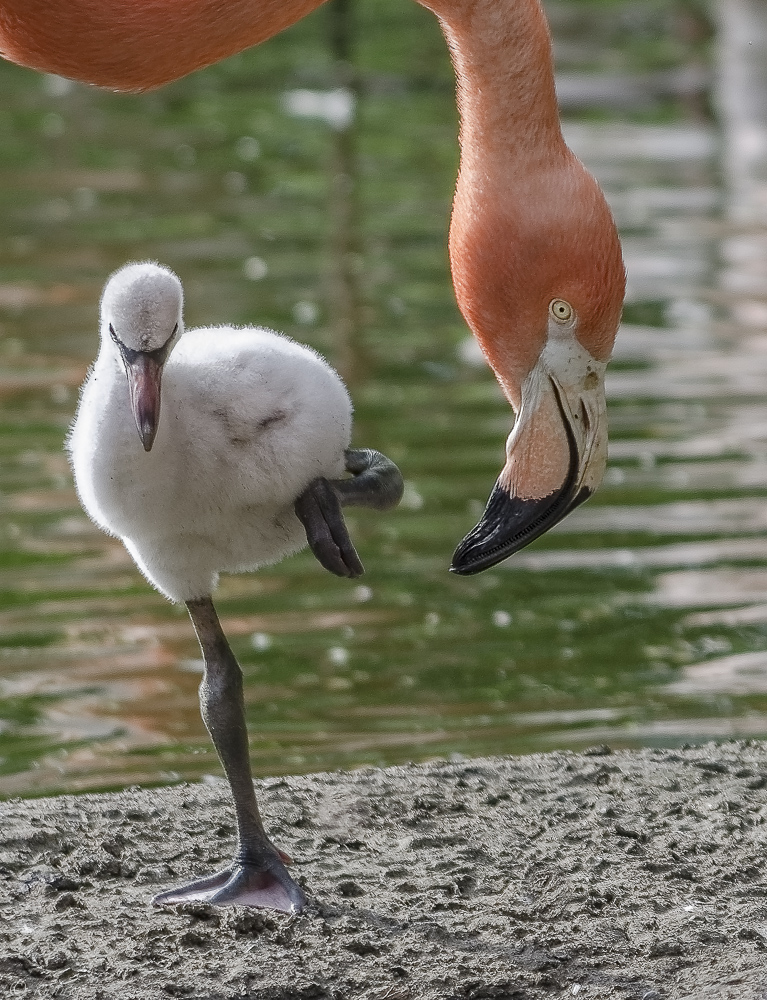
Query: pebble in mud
(636,875)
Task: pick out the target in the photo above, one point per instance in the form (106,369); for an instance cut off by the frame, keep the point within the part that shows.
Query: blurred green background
(306,186)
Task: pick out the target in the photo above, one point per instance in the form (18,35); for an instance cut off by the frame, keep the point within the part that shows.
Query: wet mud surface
(629,874)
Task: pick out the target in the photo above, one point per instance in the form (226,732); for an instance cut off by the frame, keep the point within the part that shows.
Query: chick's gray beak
(144,376)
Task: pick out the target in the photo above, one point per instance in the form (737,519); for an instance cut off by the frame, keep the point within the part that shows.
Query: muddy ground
(631,875)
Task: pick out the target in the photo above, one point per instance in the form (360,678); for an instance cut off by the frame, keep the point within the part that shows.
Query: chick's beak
(144,376)
(556,456)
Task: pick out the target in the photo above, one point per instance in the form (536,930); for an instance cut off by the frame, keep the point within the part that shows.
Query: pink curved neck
(501,51)
(513,158)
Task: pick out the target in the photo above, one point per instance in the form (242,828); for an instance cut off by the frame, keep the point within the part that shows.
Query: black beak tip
(509,524)
(462,565)
(478,551)
(471,552)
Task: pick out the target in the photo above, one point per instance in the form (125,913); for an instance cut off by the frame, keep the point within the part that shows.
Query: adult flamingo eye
(560,310)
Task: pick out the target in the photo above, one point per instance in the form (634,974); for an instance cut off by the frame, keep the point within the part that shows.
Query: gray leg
(257,876)
(375,482)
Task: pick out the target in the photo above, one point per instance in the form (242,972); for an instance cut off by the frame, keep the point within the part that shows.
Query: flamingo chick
(246,465)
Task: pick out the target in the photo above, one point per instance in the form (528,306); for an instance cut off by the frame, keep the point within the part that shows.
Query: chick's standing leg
(257,875)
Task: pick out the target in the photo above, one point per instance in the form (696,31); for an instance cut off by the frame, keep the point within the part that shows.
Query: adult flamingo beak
(556,454)
(144,377)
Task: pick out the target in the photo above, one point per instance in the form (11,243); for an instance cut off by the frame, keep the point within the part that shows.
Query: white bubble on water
(255,268)
(260,641)
(306,313)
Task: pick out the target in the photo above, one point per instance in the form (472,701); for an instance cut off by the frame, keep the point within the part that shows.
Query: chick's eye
(560,310)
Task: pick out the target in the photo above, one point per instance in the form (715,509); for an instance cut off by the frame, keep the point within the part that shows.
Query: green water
(641,620)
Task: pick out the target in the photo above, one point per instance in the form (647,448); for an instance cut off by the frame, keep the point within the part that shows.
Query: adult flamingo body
(535,256)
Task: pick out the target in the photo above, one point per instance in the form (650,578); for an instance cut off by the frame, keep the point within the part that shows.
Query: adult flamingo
(534,252)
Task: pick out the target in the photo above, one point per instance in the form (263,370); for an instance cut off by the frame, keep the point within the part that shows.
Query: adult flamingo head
(539,278)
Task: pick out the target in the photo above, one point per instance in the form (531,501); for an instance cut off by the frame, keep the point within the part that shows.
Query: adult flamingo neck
(501,51)
(514,167)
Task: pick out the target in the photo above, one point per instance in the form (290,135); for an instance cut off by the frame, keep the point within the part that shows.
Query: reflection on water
(640,620)
(745,673)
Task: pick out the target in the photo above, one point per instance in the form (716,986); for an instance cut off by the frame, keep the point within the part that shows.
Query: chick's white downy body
(249,418)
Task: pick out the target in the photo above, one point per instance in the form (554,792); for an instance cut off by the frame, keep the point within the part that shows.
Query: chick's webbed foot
(375,481)
(319,510)
(267,886)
